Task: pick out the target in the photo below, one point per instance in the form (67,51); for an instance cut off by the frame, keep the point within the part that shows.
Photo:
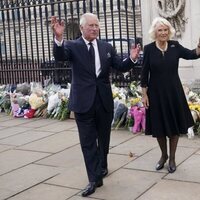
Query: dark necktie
(92,56)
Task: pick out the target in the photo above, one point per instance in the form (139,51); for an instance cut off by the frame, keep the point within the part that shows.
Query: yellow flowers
(36,101)
(194,106)
(134,101)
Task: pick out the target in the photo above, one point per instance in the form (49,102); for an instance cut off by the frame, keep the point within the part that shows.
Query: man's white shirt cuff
(59,43)
(134,61)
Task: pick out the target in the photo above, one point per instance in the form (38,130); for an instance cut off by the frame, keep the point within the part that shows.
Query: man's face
(90,30)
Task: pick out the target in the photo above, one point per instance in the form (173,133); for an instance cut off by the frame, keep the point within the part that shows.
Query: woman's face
(162,33)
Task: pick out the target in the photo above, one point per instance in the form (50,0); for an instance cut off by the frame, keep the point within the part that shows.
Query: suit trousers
(94,128)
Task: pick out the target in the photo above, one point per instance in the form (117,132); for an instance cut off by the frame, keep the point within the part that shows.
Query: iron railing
(26,39)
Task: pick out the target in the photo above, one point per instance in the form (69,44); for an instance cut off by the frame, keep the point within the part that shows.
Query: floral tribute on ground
(32,100)
(128,108)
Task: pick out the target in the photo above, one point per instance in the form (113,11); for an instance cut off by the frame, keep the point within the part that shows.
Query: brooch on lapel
(172,45)
(108,55)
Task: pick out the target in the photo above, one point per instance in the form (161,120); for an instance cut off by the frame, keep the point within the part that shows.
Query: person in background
(167,111)
(91,96)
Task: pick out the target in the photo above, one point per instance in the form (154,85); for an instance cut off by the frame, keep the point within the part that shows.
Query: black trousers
(94,129)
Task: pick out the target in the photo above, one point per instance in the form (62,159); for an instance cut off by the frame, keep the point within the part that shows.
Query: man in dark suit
(91,96)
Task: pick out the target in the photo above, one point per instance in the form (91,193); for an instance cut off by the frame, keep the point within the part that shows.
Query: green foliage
(63,112)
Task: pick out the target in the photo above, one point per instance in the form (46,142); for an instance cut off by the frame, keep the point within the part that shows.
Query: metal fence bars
(26,39)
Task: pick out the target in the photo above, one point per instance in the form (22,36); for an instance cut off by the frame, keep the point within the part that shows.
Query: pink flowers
(138,114)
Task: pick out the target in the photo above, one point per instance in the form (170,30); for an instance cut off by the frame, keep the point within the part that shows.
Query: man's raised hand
(58,28)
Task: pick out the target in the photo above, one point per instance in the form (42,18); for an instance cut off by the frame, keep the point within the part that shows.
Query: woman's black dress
(168,113)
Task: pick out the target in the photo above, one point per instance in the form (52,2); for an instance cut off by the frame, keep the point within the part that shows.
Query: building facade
(25,31)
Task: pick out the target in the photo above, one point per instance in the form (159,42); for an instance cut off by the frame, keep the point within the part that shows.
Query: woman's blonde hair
(160,21)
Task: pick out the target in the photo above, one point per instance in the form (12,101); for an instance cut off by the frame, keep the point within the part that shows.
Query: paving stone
(198,152)
(50,161)
(54,143)
(126,184)
(3,114)
(188,170)
(5,117)
(172,190)
(185,142)
(4,133)
(74,129)
(76,167)
(37,122)
(13,159)
(14,122)
(58,126)
(148,161)
(46,192)
(24,178)
(26,137)
(136,145)
(120,136)
(5,147)
(69,158)
(75,177)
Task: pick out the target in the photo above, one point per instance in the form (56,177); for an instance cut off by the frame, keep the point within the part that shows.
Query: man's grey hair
(83,19)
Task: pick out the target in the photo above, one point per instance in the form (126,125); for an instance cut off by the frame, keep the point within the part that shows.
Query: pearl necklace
(162,49)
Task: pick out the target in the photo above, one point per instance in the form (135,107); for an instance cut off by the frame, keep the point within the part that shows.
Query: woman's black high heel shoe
(172,167)
(161,163)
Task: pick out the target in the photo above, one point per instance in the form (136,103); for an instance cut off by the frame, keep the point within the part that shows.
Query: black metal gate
(26,38)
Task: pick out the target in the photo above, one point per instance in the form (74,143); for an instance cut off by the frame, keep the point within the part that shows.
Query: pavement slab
(185,142)
(5,118)
(189,170)
(53,143)
(172,190)
(119,137)
(46,192)
(69,158)
(13,159)
(25,137)
(38,122)
(149,160)
(10,131)
(5,148)
(126,184)
(58,126)
(137,146)
(41,159)
(11,122)
(75,175)
(24,178)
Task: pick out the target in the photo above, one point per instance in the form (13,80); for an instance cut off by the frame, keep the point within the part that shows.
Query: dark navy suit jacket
(84,82)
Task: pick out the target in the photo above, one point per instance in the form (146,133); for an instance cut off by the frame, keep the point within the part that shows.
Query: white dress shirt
(97,58)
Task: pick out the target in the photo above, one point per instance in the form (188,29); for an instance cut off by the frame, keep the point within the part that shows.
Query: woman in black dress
(168,114)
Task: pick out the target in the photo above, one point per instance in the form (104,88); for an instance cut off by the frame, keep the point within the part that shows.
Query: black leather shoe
(91,187)
(172,168)
(160,166)
(161,163)
(104,172)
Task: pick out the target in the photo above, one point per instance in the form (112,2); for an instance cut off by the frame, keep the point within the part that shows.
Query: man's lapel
(102,58)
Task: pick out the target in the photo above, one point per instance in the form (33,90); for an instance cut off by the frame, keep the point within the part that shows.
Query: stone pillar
(189,70)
